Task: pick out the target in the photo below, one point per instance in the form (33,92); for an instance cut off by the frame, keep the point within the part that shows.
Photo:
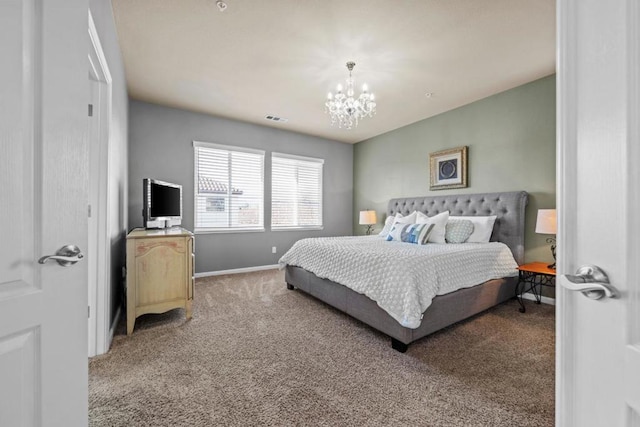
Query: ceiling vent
(276,119)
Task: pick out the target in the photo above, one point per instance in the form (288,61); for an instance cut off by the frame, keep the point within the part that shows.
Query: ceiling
(282,57)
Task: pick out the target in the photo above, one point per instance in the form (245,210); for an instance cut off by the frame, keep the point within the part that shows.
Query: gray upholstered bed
(445,310)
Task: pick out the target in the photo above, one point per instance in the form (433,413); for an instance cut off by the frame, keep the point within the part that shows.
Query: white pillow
(439,222)
(388,223)
(482,227)
(409,219)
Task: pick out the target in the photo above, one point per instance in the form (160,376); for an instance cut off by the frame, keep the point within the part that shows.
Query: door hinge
(89,211)
(88,312)
(90,110)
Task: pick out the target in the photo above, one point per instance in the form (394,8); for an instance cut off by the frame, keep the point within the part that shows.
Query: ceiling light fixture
(346,110)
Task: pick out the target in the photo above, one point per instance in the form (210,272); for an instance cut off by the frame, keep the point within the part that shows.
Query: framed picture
(448,168)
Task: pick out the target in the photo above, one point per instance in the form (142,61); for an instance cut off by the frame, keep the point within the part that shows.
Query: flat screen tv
(162,203)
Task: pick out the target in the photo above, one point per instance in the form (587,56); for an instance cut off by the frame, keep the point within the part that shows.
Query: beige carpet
(258,354)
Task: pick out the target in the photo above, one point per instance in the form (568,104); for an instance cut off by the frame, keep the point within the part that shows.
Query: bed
(444,310)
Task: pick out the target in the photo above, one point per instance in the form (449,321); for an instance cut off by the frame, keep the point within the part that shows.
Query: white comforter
(402,278)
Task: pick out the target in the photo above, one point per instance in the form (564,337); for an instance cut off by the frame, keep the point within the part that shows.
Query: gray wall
(162,147)
(511,139)
(117,181)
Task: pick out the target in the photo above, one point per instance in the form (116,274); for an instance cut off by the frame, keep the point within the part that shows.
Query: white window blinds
(229,188)
(296,192)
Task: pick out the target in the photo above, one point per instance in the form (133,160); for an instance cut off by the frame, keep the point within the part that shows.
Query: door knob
(66,256)
(591,281)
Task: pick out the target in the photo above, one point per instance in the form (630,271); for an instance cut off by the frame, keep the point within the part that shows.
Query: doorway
(99,247)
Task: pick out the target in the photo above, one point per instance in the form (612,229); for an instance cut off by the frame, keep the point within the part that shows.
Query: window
(215,204)
(229,188)
(296,192)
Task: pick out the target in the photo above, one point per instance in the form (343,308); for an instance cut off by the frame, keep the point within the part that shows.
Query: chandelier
(344,109)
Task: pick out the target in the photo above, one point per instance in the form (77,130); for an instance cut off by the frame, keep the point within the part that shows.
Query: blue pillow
(410,233)
(458,230)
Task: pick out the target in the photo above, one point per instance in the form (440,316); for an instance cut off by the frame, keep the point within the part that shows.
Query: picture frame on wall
(448,168)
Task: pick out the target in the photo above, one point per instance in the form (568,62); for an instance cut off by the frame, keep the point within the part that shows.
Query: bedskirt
(444,311)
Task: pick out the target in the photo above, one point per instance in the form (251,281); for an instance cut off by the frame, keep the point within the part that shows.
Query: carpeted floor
(258,354)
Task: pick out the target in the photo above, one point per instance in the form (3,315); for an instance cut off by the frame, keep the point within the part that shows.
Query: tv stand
(161,224)
(160,272)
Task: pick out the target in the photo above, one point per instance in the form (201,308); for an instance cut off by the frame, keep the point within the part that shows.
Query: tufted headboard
(509,207)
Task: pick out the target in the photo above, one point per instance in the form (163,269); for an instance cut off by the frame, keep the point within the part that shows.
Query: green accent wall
(512,146)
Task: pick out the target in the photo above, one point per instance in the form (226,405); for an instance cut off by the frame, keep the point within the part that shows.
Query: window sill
(228,230)
(297,228)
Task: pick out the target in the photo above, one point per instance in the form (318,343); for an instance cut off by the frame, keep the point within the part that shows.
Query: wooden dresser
(160,272)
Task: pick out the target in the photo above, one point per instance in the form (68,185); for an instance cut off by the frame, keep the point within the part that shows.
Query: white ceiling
(282,57)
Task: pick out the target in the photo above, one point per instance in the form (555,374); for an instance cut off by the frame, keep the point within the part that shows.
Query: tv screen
(163,200)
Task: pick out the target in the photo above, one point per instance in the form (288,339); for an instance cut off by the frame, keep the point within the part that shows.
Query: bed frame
(446,309)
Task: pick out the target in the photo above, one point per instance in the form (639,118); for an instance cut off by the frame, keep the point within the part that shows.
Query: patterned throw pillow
(391,220)
(458,230)
(439,222)
(410,233)
(482,227)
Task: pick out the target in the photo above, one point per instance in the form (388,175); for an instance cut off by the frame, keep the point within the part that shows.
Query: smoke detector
(222,6)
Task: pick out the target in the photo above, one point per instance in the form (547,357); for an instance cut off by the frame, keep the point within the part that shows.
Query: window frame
(321,194)
(230,148)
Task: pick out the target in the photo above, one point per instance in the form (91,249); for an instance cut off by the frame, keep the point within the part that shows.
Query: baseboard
(237,270)
(529,296)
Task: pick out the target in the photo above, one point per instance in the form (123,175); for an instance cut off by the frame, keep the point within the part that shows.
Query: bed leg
(290,287)
(399,346)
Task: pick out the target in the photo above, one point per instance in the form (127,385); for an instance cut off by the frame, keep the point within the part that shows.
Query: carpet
(257,354)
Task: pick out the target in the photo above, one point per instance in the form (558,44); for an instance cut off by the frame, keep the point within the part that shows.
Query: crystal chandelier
(346,110)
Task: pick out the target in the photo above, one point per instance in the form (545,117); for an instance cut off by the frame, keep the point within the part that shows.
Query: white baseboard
(237,270)
(529,296)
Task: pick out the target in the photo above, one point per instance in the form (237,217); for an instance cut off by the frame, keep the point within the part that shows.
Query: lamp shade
(368,217)
(546,222)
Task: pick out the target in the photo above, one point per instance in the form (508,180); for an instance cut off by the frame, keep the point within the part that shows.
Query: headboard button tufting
(508,207)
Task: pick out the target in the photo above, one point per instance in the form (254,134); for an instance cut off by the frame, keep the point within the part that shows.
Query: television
(162,203)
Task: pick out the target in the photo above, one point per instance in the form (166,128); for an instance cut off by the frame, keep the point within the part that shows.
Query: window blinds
(296,192)
(229,188)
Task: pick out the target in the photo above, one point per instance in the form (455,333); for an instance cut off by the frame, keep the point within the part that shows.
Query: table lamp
(547,223)
(368,218)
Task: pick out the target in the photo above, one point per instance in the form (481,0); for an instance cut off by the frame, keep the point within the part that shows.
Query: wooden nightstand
(535,275)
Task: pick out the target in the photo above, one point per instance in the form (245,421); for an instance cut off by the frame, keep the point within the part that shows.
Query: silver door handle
(66,256)
(591,281)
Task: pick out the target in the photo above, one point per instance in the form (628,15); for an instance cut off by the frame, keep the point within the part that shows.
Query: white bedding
(402,278)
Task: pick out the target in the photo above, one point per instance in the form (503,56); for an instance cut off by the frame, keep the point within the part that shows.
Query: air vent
(276,119)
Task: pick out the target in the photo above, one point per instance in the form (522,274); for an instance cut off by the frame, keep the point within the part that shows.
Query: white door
(598,341)
(43,207)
